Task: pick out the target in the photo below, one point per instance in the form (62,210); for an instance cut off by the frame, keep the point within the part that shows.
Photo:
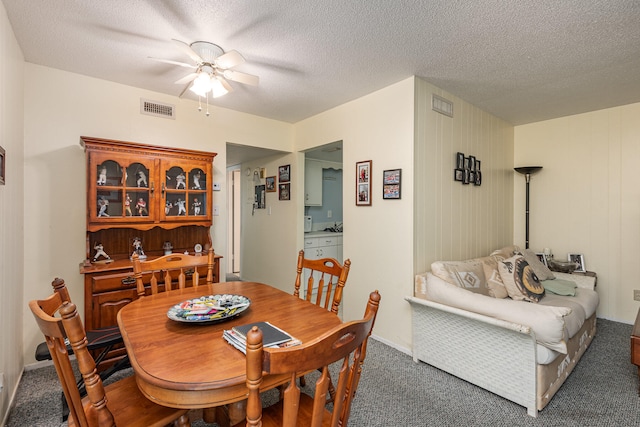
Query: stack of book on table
(272,336)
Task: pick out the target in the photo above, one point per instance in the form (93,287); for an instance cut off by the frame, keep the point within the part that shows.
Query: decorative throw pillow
(467,274)
(520,280)
(494,281)
(541,270)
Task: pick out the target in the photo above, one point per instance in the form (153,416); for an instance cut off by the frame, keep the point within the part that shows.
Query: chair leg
(183,421)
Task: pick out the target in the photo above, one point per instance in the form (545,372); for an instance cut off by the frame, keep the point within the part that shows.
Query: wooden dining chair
(346,342)
(327,278)
(120,403)
(160,270)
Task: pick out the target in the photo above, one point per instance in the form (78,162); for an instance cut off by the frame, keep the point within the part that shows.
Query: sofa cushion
(494,281)
(546,321)
(541,270)
(520,280)
(504,253)
(467,274)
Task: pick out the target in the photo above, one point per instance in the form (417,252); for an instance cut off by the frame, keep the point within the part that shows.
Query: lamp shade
(527,169)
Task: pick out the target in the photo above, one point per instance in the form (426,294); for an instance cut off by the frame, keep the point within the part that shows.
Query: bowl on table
(562,266)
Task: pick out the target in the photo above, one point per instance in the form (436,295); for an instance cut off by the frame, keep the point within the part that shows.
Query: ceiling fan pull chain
(207,114)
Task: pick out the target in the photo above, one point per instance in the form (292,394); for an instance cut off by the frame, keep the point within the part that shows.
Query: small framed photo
(466,174)
(363,183)
(284,191)
(477,165)
(284,173)
(477,178)
(578,259)
(270,182)
(391,184)
(542,258)
(472,163)
(2,165)
(460,160)
(458,174)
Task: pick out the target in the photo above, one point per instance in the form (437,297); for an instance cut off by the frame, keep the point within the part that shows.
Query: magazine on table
(272,336)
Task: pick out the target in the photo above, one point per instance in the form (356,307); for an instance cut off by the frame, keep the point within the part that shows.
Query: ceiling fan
(212,70)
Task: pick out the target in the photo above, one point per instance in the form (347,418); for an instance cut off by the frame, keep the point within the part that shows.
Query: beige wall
(269,247)
(378,239)
(61,106)
(586,199)
(455,221)
(11,213)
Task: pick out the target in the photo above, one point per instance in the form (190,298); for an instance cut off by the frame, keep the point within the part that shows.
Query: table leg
(226,415)
(209,415)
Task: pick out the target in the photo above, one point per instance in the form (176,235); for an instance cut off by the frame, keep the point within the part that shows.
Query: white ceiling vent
(158,109)
(441,105)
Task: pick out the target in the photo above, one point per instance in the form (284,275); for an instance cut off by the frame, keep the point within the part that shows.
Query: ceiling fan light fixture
(217,88)
(201,84)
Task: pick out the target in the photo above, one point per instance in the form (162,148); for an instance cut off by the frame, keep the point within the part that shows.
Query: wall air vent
(158,109)
(441,105)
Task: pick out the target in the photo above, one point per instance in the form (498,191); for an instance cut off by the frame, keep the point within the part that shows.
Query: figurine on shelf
(196,206)
(100,252)
(182,210)
(141,207)
(137,248)
(102,176)
(180,181)
(142,179)
(102,206)
(196,181)
(167,207)
(168,247)
(127,205)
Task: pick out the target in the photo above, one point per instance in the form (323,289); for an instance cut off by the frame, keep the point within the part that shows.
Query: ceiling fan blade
(186,79)
(226,84)
(230,59)
(184,90)
(237,76)
(188,51)
(168,61)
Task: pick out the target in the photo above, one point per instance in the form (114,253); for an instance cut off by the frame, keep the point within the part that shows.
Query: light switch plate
(216,210)
(216,186)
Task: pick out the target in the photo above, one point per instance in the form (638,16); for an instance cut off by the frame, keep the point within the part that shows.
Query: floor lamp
(527,171)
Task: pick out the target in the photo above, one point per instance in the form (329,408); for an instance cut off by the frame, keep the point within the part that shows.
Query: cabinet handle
(152,188)
(163,189)
(129,280)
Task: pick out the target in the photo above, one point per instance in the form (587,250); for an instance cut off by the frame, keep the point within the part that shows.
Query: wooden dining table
(190,365)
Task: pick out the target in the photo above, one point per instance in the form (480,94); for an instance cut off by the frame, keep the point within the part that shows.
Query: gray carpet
(602,391)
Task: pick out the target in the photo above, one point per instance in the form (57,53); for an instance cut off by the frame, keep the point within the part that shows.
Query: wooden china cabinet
(159,195)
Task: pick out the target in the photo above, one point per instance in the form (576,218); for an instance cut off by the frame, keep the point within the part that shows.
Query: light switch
(329,214)
(216,210)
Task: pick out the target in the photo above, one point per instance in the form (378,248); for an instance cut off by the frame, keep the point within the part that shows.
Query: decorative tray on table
(208,309)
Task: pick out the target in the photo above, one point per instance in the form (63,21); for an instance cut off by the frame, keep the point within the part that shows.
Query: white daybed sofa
(522,351)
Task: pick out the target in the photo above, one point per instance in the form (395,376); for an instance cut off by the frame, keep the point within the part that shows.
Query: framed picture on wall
(2,166)
(460,160)
(284,191)
(284,173)
(391,184)
(363,183)
(270,182)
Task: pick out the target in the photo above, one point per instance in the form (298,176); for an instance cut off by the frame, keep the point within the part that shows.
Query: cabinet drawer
(311,243)
(112,282)
(327,241)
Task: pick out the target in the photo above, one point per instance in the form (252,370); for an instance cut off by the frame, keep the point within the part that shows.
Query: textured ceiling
(522,61)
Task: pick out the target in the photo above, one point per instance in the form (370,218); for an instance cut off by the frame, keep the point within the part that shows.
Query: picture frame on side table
(391,182)
(578,259)
(543,258)
(363,183)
